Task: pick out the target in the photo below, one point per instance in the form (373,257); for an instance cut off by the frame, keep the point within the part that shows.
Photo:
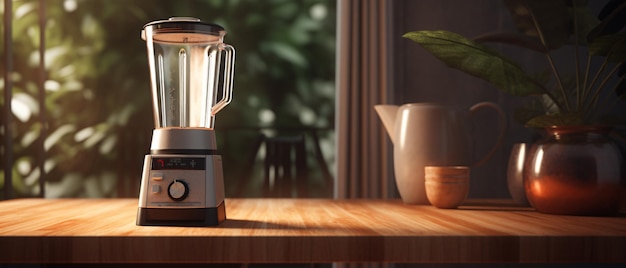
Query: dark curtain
(363,81)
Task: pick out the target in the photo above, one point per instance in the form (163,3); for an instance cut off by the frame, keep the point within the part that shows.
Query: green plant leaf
(525,114)
(612,46)
(476,59)
(515,39)
(553,17)
(613,19)
(586,21)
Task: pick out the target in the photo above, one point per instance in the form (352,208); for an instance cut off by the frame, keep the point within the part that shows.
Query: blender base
(181,216)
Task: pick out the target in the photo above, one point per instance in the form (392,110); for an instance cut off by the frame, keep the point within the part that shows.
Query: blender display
(191,76)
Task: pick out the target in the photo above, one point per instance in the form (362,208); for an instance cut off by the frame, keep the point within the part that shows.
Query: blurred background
(81,115)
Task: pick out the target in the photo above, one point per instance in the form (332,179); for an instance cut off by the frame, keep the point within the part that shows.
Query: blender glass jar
(185,59)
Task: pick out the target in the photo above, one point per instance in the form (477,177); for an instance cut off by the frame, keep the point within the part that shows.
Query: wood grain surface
(305,230)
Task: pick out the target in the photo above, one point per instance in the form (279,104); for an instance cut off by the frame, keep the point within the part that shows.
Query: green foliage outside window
(98,108)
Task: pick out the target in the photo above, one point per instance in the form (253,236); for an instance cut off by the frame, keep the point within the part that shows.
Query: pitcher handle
(229,70)
(503,127)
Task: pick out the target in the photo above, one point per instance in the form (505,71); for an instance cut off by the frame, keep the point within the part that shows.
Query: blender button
(156,189)
(157,177)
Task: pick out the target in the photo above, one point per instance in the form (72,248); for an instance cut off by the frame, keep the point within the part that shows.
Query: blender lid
(175,29)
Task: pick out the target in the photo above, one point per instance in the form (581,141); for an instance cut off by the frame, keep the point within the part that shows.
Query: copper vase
(575,171)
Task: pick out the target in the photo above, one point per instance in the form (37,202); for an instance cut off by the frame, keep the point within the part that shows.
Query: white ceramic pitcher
(429,134)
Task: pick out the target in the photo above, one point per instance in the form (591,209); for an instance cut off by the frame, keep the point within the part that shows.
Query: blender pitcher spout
(388,114)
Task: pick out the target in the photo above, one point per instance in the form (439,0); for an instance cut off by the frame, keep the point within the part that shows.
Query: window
(97,116)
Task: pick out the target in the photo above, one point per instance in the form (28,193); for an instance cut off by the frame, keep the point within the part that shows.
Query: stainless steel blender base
(181,190)
(181,217)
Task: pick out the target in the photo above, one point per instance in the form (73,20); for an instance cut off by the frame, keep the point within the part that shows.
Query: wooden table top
(305,230)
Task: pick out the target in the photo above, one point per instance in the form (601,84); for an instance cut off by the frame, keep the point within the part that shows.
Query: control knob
(178,190)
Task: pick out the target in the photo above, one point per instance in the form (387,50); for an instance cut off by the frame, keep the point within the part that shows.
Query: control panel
(182,181)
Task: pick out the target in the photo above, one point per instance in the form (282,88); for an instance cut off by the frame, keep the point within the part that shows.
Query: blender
(191,76)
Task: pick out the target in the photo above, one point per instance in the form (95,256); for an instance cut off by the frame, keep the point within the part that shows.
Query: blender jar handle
(229,71)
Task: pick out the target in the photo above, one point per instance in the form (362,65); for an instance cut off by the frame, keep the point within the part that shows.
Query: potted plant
(562,174)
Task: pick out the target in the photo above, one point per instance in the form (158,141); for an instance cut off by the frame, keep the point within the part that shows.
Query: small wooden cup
(446,186)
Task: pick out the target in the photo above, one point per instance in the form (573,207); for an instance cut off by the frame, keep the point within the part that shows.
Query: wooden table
(305,230)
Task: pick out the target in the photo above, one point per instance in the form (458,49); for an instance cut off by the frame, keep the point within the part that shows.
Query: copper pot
(575,171)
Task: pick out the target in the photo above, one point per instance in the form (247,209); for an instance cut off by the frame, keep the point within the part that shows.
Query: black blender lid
(178,25)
